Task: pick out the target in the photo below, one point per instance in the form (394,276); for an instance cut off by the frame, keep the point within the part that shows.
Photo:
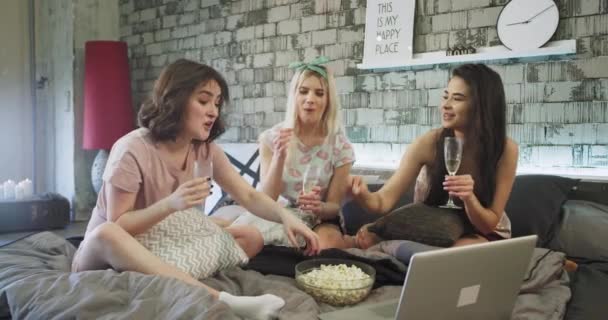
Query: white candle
(28,188)
(18,192)
(9,189)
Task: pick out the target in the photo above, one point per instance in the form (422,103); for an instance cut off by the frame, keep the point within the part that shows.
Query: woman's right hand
(189,194)
(358,187)
(281,143)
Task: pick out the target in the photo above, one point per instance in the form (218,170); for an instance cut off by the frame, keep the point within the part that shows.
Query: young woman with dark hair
(149,177)
(473,109)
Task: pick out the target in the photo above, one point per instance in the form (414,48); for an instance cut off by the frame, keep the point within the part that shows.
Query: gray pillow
(421,223)
(584,230)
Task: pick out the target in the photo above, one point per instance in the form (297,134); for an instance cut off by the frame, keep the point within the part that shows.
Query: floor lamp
(108,111)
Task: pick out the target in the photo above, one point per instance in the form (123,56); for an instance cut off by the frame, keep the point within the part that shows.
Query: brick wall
(557,107)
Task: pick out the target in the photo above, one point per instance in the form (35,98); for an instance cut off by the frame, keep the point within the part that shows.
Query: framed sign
(389,32)
(389,35)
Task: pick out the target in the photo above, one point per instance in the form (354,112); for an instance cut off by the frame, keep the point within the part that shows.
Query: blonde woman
(310,143)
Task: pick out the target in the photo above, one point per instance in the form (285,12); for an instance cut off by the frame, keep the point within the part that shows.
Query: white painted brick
(335,51)
(236,91)
(315,22)
(133,40)
(147,37)
(231,134)
(206,40)
(550,92)
(359,16)
(162,35)
(265,30)
(437,78)
(180,32)
(191,5)
(513,93)
(326,6)
(367,82)
(350,35)
(435,97)
(197,29)
(384,133)
(169,21)
(339,67)
(275,88)
(158,61)
(296,10)
(324,37)
(407,133)
(436,42)
(232,22)
(459,20)
(263,60)
(265,104)
(441,6)
(148,14)
(288,27)
(278,14)
(284,58)
(486,17)
(270,119)
(345,84)
(186,43)
(303,40)
(586,7)
(398,80)
(441,22)
(469,4)
(337,20)
(313,52)
(280,104)
(153,49)
(511,73)
(366,117)
(134,17)
(222,38)
(209,3)
(245,33)
(186,18)
(526,133)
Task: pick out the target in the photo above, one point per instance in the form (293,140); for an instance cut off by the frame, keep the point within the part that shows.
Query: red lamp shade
(108,113)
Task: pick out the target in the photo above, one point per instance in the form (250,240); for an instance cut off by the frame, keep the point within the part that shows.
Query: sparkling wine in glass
(452,154)
(198,172)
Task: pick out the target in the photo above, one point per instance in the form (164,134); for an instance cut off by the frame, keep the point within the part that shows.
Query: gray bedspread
(35,283)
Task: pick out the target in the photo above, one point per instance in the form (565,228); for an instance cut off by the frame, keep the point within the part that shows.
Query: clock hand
(538,14)
(534,16)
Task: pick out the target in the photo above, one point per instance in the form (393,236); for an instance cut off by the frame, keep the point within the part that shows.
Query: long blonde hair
(331,119)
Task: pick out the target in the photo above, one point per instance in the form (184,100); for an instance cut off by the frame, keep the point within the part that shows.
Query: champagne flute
(452,154)
(198,172)
(311,176)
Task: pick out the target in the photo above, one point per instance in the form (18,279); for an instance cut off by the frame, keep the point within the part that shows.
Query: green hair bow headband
(315,65)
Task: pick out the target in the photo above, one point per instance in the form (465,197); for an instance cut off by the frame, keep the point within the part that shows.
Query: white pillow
(190,241)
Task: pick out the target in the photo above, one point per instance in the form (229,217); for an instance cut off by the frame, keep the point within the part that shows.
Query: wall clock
(526,25)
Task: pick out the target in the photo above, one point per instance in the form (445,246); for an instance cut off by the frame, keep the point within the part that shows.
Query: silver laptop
(473,282)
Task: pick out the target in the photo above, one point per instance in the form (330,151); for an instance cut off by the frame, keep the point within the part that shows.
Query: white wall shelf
(562,47)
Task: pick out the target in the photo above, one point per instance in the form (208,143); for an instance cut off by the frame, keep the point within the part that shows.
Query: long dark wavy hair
(485,135)
(163,112)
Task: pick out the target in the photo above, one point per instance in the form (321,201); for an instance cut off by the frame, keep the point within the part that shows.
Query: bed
(35,283)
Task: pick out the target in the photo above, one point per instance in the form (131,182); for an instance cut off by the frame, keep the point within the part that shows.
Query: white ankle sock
(262,307)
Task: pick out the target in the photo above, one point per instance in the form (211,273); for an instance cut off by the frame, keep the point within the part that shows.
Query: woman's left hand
(461,186)
(311,201)
(293,227)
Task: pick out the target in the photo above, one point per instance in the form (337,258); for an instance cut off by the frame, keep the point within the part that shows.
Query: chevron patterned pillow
(190,241)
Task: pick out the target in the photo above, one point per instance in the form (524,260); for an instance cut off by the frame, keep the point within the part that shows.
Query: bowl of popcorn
(335,281)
